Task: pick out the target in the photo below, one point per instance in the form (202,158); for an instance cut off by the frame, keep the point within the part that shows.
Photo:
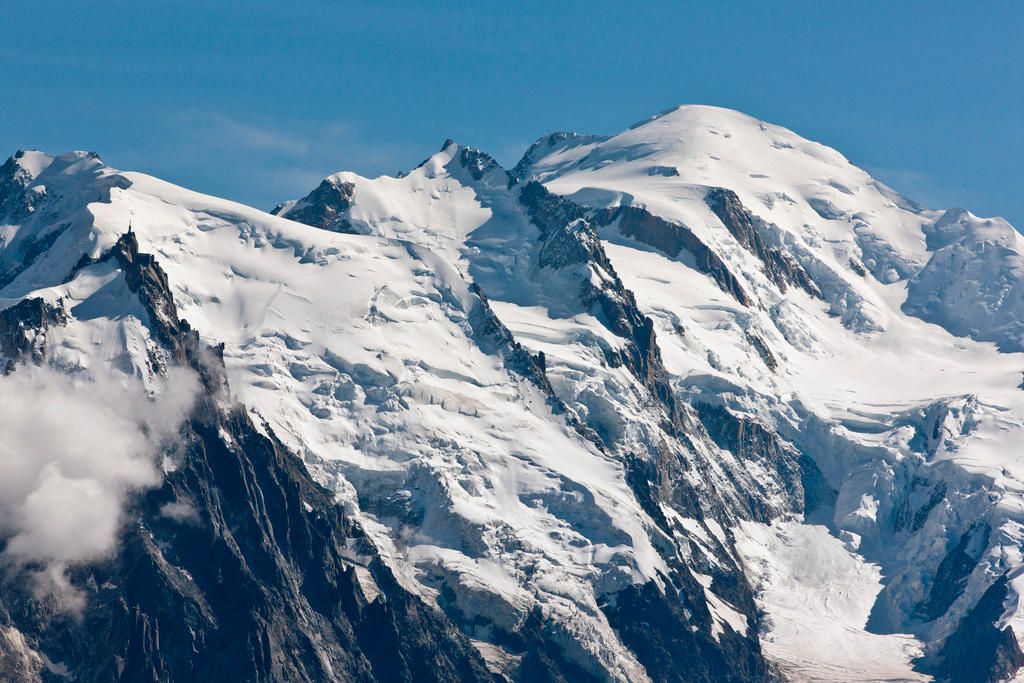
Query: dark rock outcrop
(912,510)
(149,282)
(753,440)
(15,202)
(494,337)
(669,646)
(23,328)
(667,171)
(671,239)
(979,651)
(819,503)
(567,238)
(653,622)
(477,163)
(238,567)
(780,267)
(951,576)
(325,207)
(763,350)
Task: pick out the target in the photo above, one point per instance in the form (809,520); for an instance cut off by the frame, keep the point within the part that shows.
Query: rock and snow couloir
(697,401)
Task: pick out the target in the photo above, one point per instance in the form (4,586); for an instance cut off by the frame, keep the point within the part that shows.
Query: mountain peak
(657,404)
(31,161)
(698,112)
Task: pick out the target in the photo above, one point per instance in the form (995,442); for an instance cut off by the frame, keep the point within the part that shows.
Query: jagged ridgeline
(700,401)
(237,567)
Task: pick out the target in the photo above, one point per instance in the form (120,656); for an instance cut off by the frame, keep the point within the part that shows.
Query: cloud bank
(72,449)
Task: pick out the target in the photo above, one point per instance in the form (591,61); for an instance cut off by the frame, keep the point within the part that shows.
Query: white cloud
(239,137)
(268,159)
(180,512)
(256,137)
(72,449)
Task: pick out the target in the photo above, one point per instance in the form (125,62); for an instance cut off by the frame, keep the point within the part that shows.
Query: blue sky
(257,101)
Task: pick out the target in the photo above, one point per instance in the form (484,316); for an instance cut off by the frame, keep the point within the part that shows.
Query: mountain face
(700,401)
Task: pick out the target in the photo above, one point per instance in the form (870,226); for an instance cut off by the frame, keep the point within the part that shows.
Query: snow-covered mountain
(697,401)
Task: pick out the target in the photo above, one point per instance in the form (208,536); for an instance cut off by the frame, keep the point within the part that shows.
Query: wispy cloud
(925,189)
(260,160)
(276,143)
(73,450)
(254,137)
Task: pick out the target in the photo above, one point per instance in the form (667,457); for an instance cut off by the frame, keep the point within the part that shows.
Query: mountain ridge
(584,409)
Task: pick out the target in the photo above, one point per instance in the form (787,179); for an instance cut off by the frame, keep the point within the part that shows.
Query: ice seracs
(875,257)
(972,283)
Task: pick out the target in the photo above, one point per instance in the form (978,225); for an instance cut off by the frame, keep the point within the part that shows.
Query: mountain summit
(700,401)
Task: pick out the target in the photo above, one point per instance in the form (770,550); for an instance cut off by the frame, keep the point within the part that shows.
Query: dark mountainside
(258,584)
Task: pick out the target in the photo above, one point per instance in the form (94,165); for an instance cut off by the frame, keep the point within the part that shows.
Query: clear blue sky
(258,100)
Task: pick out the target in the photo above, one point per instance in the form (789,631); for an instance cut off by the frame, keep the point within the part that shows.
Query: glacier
(697,401)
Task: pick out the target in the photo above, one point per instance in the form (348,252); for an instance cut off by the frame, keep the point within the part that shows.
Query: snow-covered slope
(629,411)
(916,430)
(150,531)
(379,363)
(790,288)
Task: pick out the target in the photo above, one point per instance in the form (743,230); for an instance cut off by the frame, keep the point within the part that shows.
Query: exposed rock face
(671,239)
(239,567)
(149,282)
(665,642)
(568,238)
(23,331)
(667,171)
(494,337)
(15,202)
(951,577)
(913,510)
(979,651)
(254,587)
(476,162)
(780,267)
(643,612)
(754,440)
(325,207)
(763,350)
